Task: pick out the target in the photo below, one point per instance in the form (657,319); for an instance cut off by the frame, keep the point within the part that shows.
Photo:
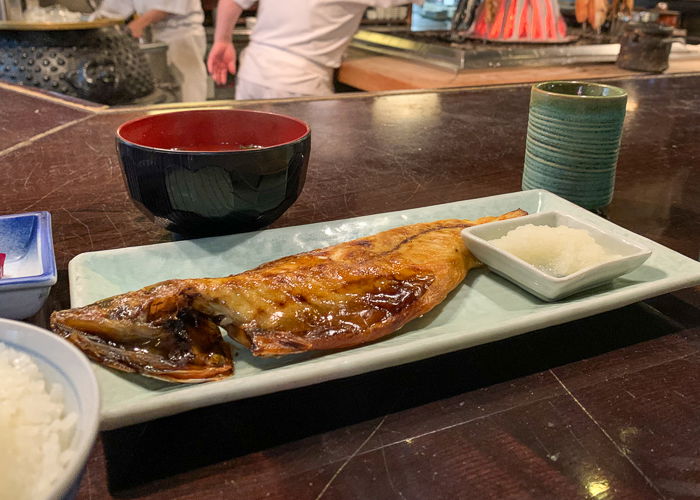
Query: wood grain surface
(605,407)
(380,73)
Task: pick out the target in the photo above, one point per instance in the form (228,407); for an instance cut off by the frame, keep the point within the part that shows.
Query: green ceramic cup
(573,140)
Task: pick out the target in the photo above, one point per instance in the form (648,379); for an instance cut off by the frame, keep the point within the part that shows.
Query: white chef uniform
(296,44)
(182,30)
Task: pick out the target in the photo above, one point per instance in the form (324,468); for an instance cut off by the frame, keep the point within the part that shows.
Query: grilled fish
(581,10)
(594,12)
(597,13)
(335,297)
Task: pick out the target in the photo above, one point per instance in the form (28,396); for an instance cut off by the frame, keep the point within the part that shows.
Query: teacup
(573,140)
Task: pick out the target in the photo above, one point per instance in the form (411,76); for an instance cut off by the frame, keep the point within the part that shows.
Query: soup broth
(218,147)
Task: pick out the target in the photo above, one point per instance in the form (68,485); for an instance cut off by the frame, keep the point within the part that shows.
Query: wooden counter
(377,73)
(606,407)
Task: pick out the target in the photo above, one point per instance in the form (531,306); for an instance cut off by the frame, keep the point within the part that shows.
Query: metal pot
(645,47)
(157,56)
(99,64)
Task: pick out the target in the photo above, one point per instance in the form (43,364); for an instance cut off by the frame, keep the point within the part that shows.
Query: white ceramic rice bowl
(61,362)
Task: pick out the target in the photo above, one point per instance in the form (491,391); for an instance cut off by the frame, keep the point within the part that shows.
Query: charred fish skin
(152,331)
(336,297)
(348,294)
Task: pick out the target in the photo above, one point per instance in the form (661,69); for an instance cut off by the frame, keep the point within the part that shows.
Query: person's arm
(222,57)
(138,25)
(114,9)
(387,3)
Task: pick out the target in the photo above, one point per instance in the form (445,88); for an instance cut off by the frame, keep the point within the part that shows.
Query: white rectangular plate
(483,309)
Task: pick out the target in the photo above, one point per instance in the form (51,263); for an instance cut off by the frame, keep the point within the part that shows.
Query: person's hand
(136,28)
(221,61)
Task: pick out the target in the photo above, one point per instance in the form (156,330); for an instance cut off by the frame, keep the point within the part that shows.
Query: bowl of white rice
(49,413)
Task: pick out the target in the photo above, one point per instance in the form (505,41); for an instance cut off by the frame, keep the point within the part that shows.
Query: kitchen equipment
(645,47)
(89,60)
(518,21)
(667,17)
(156,54)
(452,51)
(10,10)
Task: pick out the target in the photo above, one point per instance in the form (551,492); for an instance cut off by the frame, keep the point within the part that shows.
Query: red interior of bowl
(213,130)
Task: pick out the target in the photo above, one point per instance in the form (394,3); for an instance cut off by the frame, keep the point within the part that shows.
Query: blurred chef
(177,23)
(294,47)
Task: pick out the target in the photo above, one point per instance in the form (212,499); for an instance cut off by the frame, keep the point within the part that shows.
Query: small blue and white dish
(30,263)
(628,256)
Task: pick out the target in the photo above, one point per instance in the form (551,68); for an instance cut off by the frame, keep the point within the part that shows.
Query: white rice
(35,431)
(559,251)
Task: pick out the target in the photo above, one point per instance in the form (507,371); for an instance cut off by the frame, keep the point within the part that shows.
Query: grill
(98,64)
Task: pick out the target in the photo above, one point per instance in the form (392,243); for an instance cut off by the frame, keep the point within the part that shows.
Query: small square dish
(624,256)
(30,263)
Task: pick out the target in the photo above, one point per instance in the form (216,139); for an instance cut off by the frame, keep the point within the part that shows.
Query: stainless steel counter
(436,48)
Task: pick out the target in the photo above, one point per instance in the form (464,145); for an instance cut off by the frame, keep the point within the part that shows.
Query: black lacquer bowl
(212,172)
